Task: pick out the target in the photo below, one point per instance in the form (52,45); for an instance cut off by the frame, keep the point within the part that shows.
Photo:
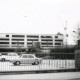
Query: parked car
(9,57)
(27,59)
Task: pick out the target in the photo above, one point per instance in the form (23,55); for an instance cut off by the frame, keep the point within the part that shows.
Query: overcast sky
(39,16)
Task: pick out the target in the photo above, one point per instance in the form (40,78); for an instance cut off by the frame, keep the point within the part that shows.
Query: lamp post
(66,35)
(47,42)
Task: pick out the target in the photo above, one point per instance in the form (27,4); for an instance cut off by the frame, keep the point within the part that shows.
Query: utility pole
(66,35)
(47,42)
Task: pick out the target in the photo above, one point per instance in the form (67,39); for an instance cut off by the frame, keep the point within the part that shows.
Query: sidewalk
(53,76)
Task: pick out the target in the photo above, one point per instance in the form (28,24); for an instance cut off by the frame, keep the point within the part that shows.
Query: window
(17,42)
(47,43)
(44,43)
(12,55)
(29,43)
(17,39)
(7,35)
(32,39)
(46,36)
(4,39)
(56,36)
(4,42)
(17,35)
(24,56)
(58,40)
(30,56)
(50,43)
(32,36)
(46,40)
(57,43)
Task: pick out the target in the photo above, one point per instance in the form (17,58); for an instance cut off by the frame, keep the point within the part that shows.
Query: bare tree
(76,32)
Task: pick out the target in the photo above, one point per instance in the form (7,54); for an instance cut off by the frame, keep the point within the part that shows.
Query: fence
(49,62)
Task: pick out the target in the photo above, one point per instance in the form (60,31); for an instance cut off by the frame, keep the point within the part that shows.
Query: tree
(76,33)
(35,47)
(18,49)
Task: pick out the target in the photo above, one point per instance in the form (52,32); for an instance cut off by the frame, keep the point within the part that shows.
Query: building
(13,40)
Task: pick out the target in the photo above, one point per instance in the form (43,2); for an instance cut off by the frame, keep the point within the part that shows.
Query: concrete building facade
(14,40)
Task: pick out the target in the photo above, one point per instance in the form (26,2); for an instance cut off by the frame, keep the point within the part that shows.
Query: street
(48,76)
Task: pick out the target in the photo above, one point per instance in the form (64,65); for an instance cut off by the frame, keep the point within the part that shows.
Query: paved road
(48,76)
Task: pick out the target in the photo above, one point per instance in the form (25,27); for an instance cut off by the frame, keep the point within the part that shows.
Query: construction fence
(49,62)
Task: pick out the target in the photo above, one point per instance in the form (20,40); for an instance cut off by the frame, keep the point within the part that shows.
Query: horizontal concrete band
(38,71)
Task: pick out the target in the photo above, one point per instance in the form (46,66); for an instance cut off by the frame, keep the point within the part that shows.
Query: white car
(27,59)
(9,57)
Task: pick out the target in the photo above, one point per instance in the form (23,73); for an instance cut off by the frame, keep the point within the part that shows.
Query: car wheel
(17,63)
(36,63)
(3,59)
(33,64)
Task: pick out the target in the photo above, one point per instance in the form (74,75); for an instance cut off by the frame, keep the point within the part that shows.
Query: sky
(39,16)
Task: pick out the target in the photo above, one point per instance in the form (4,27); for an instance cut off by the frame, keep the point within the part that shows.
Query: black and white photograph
(39,39)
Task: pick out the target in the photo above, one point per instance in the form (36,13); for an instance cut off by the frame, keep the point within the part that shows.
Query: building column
(25,41)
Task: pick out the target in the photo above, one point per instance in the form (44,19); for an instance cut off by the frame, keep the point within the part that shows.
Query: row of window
(29,43)
(12,42)
(31,36)
(1,39)
(29,39)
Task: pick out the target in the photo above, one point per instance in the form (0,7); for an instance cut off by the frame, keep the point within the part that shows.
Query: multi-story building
(13,40)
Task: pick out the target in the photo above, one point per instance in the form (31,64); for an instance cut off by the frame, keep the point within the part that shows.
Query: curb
(38,71)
